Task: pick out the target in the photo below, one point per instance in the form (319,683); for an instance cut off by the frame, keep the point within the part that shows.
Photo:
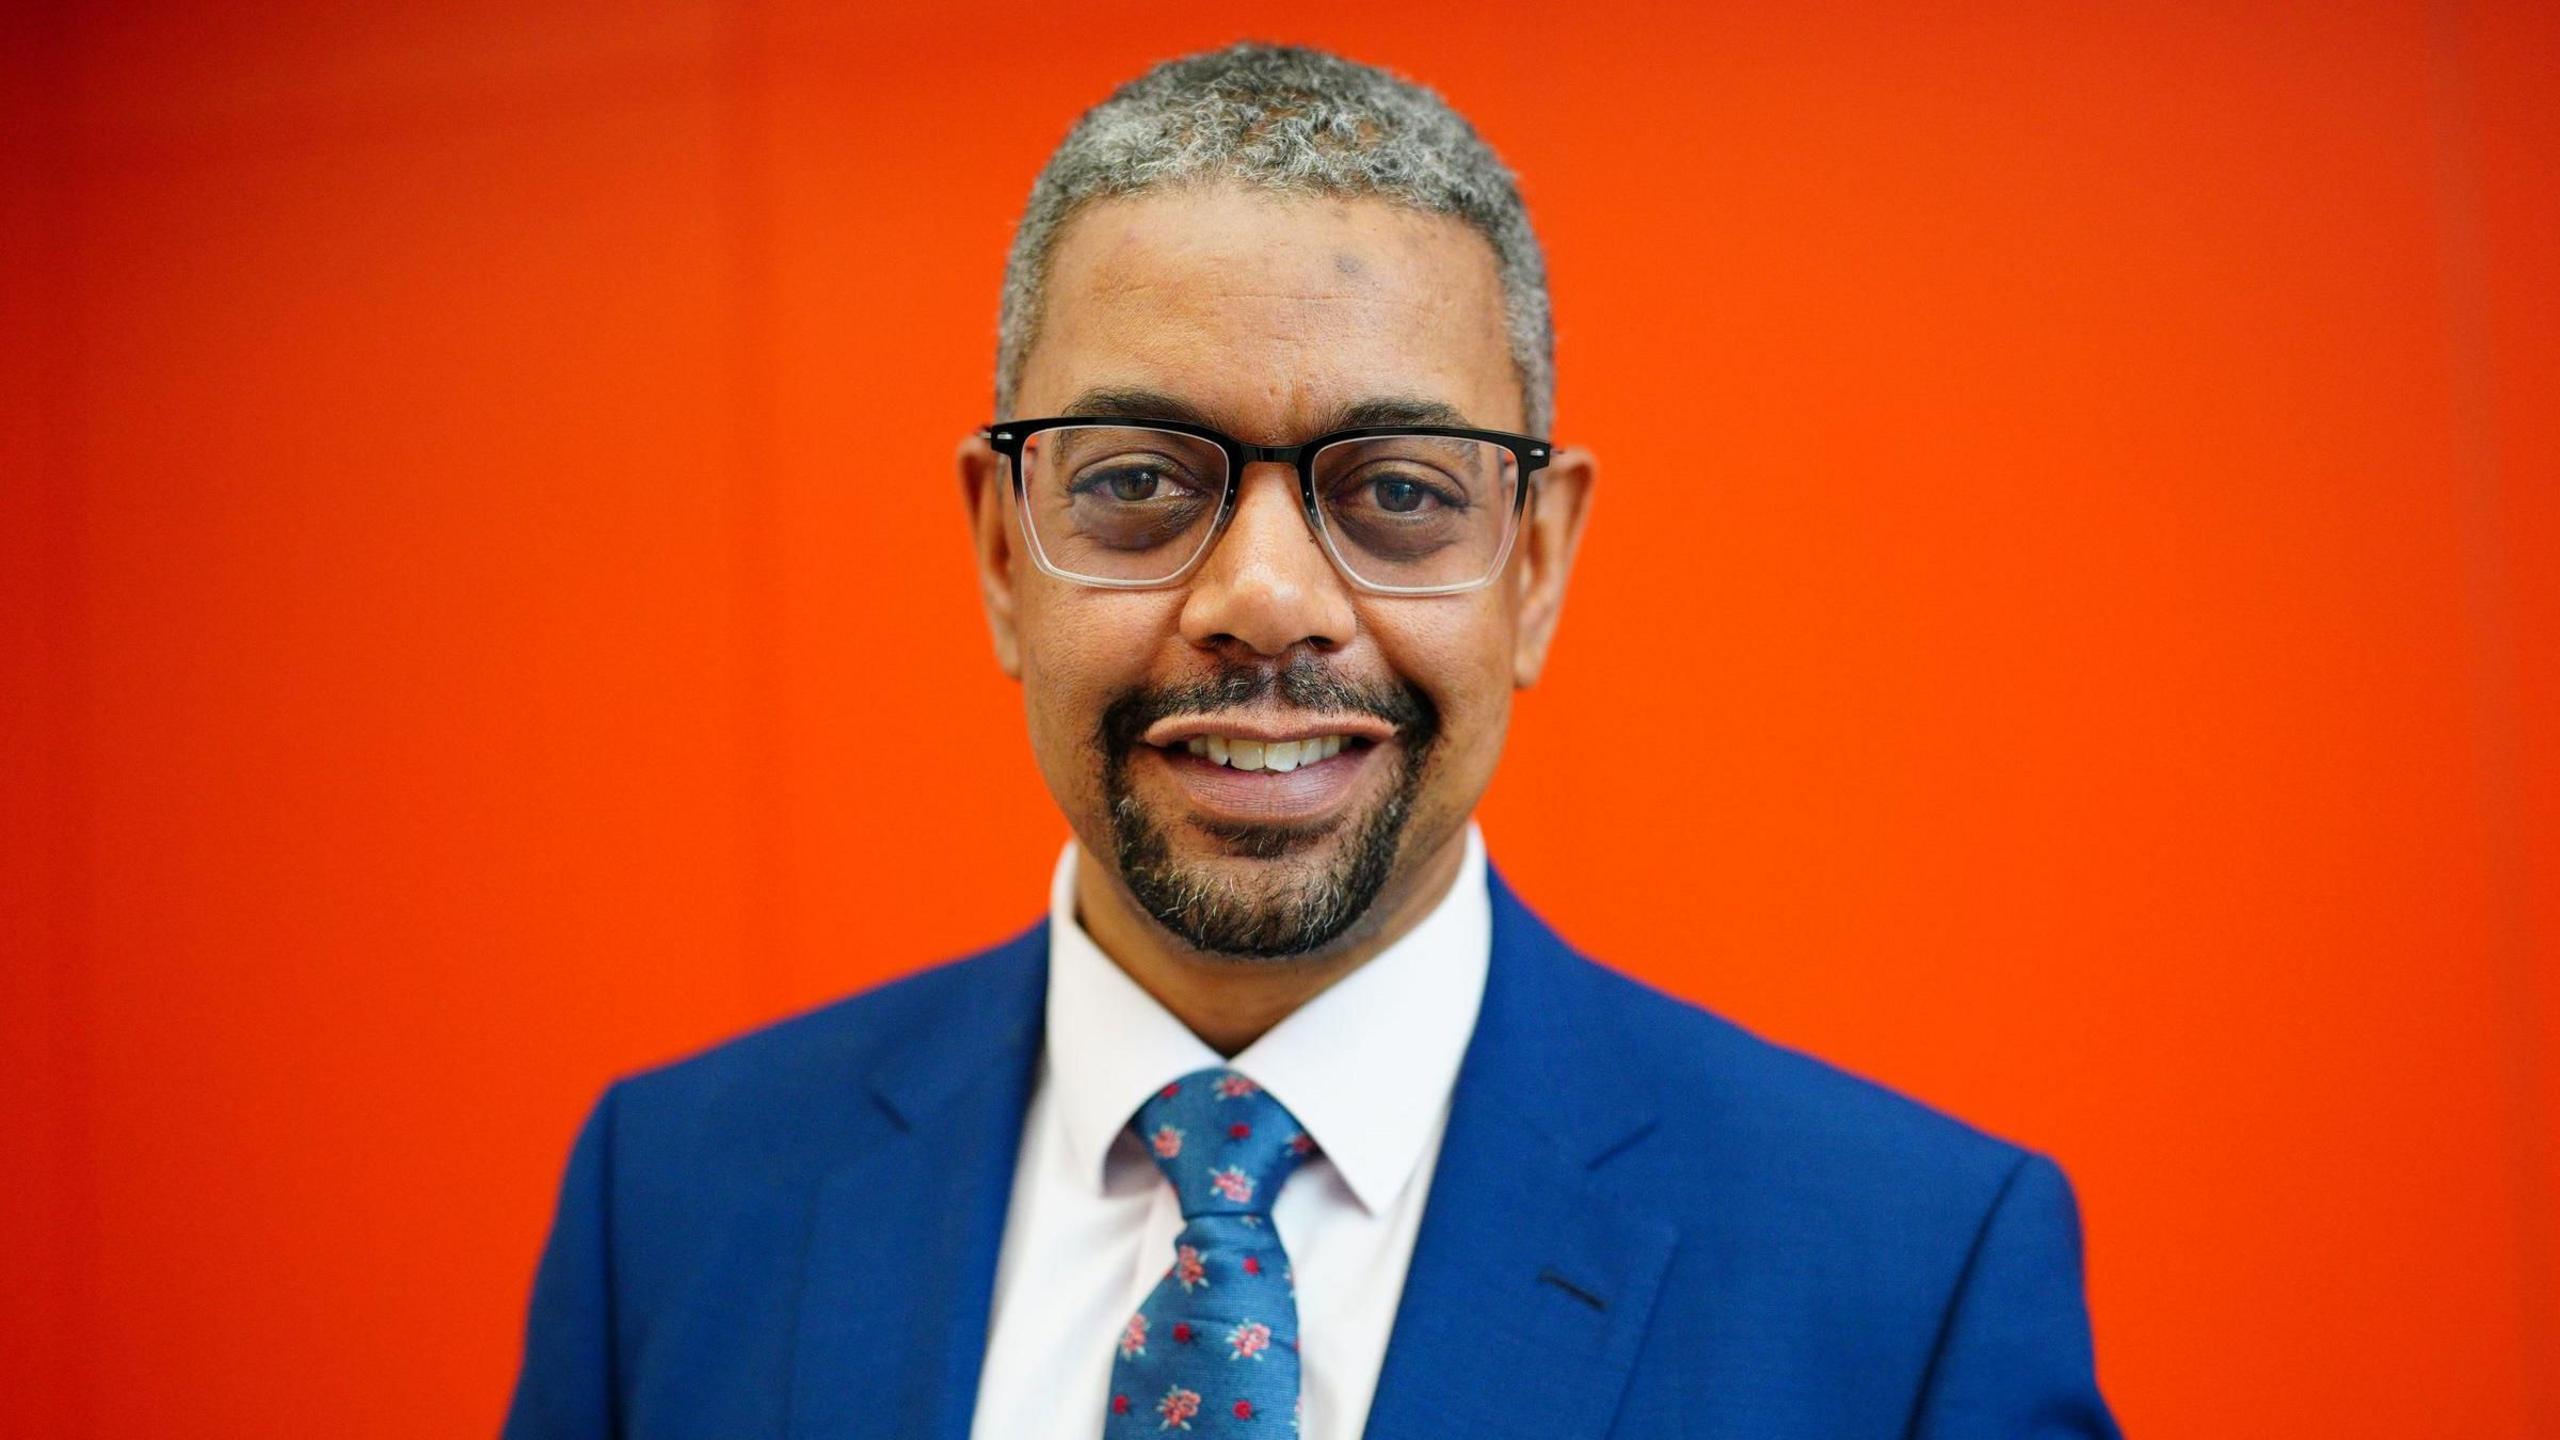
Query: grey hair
(1295,121)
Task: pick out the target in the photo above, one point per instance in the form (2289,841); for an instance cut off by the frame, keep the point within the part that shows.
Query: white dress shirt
(1366,1067)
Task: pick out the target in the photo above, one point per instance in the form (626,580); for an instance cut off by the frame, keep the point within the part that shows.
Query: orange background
(2068,628)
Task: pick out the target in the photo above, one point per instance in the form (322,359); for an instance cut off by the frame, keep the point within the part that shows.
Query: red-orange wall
(2069,628)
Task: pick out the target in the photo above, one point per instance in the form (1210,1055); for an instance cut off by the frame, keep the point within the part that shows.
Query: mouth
(1242,752)
(1229,774)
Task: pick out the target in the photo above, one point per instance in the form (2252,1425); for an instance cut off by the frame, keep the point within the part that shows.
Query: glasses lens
(1121,503)
(1417,512)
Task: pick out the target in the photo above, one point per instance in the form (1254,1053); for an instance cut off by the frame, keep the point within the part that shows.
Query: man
(1290,1117)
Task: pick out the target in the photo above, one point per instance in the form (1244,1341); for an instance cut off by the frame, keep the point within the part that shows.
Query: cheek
(1458,649)
(1081,649)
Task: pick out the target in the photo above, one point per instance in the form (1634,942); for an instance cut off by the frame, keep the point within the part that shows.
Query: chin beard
(1298,912)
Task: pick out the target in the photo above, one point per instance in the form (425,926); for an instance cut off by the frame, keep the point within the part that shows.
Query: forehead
(1272,313)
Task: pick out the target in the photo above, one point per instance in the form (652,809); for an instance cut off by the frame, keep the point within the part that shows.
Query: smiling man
(1289,1117)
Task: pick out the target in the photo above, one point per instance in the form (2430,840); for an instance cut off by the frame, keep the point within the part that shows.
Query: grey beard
(1218,917)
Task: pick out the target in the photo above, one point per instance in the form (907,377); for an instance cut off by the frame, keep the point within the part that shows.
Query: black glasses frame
(1532,454)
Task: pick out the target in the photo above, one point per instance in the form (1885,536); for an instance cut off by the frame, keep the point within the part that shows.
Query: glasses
(1400,510)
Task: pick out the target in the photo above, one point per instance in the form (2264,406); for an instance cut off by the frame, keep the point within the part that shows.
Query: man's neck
(1227,1001)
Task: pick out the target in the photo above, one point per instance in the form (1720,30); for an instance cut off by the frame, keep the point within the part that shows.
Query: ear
(1550,534)
(985,489)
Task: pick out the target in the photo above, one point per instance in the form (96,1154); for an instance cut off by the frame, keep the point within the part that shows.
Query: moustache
(1305,683)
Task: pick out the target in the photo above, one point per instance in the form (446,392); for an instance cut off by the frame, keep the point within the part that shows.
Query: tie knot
(1223,1141)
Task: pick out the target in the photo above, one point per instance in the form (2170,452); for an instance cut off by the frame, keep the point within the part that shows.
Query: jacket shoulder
(1783,1122)
(797,1082)
(1847,1258)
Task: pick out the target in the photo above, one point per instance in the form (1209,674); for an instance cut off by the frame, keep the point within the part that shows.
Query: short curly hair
(1296,121)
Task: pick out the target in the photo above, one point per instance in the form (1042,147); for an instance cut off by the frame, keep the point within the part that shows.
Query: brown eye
(1400,497)
(1131,484)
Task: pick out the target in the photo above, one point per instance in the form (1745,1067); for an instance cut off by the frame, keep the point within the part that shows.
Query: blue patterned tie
(1214,1350)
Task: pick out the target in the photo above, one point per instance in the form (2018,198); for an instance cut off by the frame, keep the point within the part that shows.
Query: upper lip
(1179,729)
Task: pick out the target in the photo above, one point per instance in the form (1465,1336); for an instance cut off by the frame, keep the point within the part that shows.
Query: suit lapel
(1531,1284)
(902,1246)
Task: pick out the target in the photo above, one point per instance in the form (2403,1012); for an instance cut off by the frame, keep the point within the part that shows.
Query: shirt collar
(1366,1066)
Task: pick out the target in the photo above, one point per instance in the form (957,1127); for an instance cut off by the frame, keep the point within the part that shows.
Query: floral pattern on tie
(1213,1353)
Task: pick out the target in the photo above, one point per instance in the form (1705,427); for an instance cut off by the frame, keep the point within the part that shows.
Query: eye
(1130,484)
(1400,496)
(1401,492)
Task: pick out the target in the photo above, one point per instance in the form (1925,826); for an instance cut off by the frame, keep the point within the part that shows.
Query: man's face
(1275,320)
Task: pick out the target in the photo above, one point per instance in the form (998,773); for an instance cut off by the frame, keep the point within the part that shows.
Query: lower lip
(1223,794)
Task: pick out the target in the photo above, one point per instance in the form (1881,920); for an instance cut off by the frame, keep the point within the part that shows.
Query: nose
(1267,586)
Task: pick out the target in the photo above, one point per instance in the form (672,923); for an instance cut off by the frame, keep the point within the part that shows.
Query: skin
(1268,317)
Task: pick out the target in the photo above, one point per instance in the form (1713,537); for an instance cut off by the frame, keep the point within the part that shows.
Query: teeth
(1275,755)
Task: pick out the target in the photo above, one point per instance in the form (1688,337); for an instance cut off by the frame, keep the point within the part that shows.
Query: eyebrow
(1125,403)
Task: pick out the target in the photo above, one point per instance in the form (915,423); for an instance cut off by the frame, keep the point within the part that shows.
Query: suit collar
(1532,1282)
(944,1057)
(903,1238)
(1540,1052)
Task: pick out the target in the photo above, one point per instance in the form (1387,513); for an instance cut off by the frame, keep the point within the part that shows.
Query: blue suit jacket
(1645,1222)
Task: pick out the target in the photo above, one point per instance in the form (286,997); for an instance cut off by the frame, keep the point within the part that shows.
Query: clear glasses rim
(1532,452)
